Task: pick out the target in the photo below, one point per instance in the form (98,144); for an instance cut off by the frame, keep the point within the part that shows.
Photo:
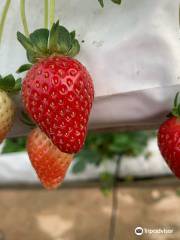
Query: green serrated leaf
(101,2)
(7,83)
(53,38)
(64,40)
(116,1)
(39,38)
(72,35)
(75,48)
(24,68)
(26,43)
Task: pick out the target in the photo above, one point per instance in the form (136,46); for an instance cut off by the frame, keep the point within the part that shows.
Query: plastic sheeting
(132,52)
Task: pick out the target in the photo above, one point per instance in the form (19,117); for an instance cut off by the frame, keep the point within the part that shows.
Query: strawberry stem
(23,17)
(46,13)
(176,109)
(179,15)
(52,10)
(3,17)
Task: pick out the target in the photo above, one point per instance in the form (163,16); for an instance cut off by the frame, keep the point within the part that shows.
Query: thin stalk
(179,15)
(52,10)
(113,220)
(3,17)
(46,13)
(23,17)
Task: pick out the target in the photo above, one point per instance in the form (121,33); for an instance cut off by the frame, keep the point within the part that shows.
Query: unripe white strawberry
(7,110)
(8,85)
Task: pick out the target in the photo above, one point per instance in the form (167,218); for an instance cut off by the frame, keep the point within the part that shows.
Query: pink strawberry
(48,161)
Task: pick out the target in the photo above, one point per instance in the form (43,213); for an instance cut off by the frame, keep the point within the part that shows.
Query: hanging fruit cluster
(57,93)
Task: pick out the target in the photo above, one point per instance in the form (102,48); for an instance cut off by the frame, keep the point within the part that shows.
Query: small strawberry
(169,139)
(7,108)
(49,162)
(57,91)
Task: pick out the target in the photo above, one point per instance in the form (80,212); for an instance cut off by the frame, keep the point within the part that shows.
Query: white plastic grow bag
(16,168)
(132,52)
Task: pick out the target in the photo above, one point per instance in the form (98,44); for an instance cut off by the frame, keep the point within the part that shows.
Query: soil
(84,213)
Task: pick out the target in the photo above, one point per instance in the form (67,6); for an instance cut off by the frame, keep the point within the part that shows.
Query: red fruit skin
(58,94)
(48,161)
(169,143)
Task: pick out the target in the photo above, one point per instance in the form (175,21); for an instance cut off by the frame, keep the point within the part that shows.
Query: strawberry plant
(103,147)
(57,93)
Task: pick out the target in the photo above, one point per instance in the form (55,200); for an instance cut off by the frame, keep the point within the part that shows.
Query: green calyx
(43,43)
(176,109)
(9,84)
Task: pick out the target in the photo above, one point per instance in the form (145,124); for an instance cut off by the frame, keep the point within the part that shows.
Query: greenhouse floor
(83,213)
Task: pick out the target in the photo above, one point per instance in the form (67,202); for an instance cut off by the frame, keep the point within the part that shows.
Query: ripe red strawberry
(57,91)
(169,139)
(49,162)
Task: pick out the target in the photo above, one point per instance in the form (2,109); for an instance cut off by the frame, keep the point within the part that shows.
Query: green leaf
(39,38)
(75,48)
(26,43)
(64,40)
(18,85)
(89,156)
(176,99)
(53,38)
(14,145)
(32,58)
(72,35)
(79,166)
(101,2)
(7,83)
(116,1)
(24,68)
